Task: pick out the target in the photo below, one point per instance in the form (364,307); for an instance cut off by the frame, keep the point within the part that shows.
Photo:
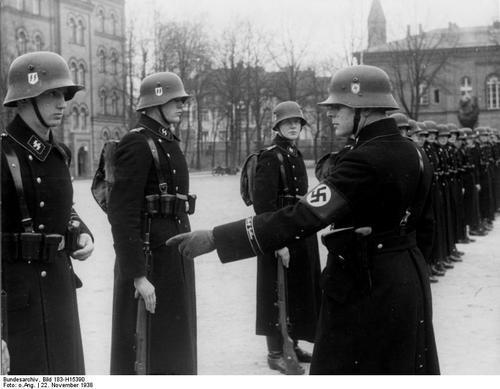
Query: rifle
(291,361)
(143,322)
(4,316)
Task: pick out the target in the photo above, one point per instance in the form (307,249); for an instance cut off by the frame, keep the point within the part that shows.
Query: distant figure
(468,111)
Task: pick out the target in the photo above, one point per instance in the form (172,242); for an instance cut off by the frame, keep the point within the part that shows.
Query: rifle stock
(142,322)
(292,363)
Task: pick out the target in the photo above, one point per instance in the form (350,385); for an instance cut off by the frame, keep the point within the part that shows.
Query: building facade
(472,67)
(90,35)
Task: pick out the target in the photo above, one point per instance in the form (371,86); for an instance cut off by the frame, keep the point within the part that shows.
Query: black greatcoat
(172,340)
(388,331)
(42,313)
(303,291)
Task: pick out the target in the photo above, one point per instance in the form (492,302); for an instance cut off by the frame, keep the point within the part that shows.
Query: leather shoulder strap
(162,180)
(286,190)
(15,171)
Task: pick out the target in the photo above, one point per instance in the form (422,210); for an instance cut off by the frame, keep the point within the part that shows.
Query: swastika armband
(326,203)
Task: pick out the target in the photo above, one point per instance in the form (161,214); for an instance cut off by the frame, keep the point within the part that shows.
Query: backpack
(247,178)
(104,176)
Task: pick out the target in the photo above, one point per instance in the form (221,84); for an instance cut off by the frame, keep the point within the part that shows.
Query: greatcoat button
(39,180)
(41,227)
(30,157)
(42,204)
(43,273)
(380,246)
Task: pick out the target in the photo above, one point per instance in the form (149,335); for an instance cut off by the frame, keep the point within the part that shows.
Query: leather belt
(386,243)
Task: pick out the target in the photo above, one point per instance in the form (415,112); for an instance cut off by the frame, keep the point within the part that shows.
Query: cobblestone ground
(466,301)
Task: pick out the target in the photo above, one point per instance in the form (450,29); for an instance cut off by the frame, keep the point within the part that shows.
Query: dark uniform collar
(379,129)
(286,145)
(29,139)
(157,128)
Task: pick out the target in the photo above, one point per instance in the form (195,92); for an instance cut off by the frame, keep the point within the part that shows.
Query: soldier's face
(173,110)
(453,138)
(431,137)
(51,105)
(442,140)
(290,128)
(342,119)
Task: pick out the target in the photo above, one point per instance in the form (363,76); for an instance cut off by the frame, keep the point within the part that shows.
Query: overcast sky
(326,25)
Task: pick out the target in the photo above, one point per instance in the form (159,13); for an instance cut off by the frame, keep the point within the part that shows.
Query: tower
(376,25)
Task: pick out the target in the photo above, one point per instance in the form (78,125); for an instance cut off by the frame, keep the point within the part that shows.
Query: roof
(451,37)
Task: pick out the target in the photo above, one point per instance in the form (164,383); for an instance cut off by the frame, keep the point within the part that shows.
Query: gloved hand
(146,290)
(87,246)
(5,358)
(193,244)
(283,255)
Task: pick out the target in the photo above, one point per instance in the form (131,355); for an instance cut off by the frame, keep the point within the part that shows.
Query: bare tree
(417,62)
(183,47)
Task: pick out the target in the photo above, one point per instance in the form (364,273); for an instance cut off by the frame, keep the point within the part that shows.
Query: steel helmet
(452,128)
(422,129)
(159,88)
(443,130)
(401,120)
(413,127)
(482,131)
(361,86)
(287,110)
(431,126)
(34,73)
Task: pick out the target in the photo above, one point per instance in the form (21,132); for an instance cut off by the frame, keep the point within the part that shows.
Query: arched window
(105,134)
(36,7)
(465,86)
(72,27)
(102,60)
(113,23)
(75,122)
(83,118)
(424,94)
(114,103)
(103,100)
(74,71)
(20,5)
(80,33)
(81,74)
(37,40)
(117,134)
(100,20)
(492,92)
(114,62)
(22,42)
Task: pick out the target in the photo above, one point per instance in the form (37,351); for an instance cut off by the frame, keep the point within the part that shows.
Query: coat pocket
(337,282)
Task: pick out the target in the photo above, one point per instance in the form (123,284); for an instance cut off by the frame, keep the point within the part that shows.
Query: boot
(436,272)
(447,264)
(277,362)
(433,279)
(454,258)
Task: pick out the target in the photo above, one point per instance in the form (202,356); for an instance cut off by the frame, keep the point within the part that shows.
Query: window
(75,122)
(117,134)
(114,104)
(103,101)
(22,42)
(436,96)
(492,92)
(114,62)
(81,74)
(113,24)
(100,20)
(20,5)
(424,94)
(83,118)
(105,134)
(36,7)
(74,72)
(38,42)
(102,60)
(80,33)
(465,86)
(72,27)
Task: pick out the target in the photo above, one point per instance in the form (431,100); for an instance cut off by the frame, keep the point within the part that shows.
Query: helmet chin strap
(356,120)
(163,116)
(38,114)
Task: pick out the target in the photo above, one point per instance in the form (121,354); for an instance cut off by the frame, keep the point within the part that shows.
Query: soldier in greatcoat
(301,258)
(40,229)
(376,311)
(153,186)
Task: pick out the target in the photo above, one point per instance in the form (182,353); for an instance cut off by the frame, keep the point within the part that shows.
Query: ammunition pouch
(167,205)
(31,247)
(72,234)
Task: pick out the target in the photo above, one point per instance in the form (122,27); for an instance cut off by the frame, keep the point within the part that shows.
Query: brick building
(90,36)
(472,66)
